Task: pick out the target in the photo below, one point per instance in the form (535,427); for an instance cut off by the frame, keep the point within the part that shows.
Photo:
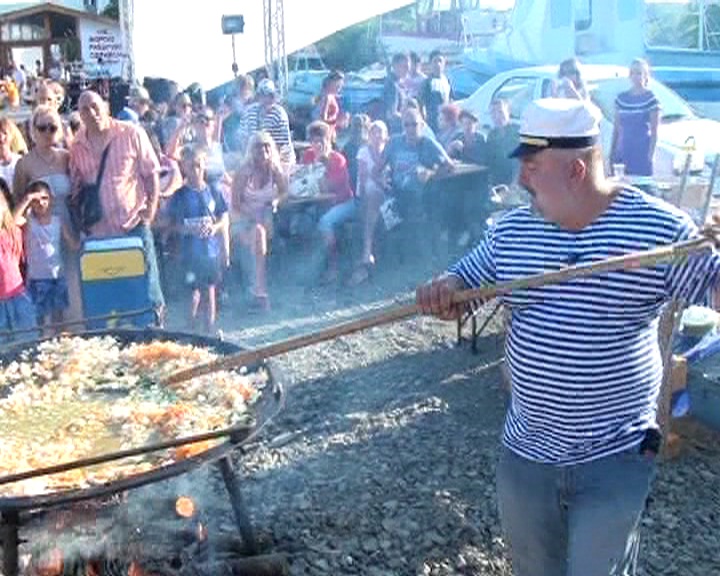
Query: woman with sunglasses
(180,113)
(206,133)
(202,129)
(52,95)
(48,162)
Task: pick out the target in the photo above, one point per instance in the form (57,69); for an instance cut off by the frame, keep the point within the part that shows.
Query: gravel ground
(383,461)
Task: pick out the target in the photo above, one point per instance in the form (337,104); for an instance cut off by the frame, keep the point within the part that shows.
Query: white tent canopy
(182,39)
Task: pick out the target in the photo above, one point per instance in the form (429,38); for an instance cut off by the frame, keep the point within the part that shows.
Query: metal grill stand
(11,522)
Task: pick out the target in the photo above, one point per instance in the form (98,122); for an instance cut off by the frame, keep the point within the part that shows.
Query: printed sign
(103,50)
(105,45)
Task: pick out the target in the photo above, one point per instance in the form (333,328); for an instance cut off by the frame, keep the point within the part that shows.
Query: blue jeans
(578,520)
(155,291)
(17,313)
(337,216)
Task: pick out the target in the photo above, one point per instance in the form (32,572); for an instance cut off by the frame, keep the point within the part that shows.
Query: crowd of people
(205,187)
(19,84)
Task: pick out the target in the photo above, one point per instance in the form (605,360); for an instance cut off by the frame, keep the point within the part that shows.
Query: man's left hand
(712,229)
(147,216)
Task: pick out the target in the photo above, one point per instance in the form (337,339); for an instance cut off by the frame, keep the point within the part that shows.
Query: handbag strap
(101,169)
(205,203)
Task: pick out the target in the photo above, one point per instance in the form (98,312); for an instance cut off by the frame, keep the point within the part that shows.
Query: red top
(331,109)
(336,174)
(11,281)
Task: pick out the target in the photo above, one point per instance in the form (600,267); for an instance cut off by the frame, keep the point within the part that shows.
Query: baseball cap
(266,88)
(564,123)
(139,94)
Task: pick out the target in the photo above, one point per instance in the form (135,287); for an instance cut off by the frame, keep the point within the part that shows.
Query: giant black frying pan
(268,405)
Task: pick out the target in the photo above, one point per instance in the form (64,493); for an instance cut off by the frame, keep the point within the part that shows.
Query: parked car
(464,81)
(680,126)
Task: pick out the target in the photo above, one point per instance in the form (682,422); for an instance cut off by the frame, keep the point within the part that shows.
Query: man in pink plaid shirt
(129,190)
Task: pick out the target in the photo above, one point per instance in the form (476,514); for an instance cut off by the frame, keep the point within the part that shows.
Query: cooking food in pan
(74,397)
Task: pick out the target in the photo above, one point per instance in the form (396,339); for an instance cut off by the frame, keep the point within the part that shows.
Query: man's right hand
(436,297)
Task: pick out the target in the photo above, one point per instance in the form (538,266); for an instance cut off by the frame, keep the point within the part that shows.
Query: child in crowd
(371,192)
(43,235)
(359,127)
(16,309)
(200,215)
(327,108)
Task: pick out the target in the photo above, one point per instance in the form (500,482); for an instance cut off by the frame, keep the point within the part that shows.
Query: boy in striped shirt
(581,434)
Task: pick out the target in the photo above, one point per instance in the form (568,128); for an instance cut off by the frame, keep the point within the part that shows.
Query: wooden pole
(392,314)
(667,330)
(127,24)
(711,188)
(690,146)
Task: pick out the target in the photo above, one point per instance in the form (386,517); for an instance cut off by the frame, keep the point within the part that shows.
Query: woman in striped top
(581,434)
(635,128)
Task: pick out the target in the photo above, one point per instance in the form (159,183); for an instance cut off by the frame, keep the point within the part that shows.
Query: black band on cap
(566,142)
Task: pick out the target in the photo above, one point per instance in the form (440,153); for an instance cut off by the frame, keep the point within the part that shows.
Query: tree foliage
(352,48)
(112,10)
(359,45)
(677,25)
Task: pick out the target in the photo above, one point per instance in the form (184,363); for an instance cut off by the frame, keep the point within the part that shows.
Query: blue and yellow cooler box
(114,279)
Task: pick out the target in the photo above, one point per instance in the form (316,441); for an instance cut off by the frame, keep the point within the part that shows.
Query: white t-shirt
(19,78)
(365,156)
(215,161)
(43,249)
(7,171)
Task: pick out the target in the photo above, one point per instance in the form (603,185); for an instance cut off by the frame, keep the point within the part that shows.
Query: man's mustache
(533,201)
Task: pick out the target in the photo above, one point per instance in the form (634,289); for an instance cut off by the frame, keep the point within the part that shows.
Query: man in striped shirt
(269,116)
(580,435)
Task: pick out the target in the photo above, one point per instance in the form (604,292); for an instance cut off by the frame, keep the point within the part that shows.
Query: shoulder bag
(85,207)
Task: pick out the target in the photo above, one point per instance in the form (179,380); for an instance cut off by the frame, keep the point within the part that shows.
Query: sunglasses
(43,128)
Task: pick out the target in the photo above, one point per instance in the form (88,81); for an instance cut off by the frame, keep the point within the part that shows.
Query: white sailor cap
(558,123)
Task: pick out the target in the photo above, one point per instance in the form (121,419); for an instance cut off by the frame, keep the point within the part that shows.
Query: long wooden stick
(392,314)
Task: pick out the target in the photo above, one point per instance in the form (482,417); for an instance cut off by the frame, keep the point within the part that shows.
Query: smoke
(140,525)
